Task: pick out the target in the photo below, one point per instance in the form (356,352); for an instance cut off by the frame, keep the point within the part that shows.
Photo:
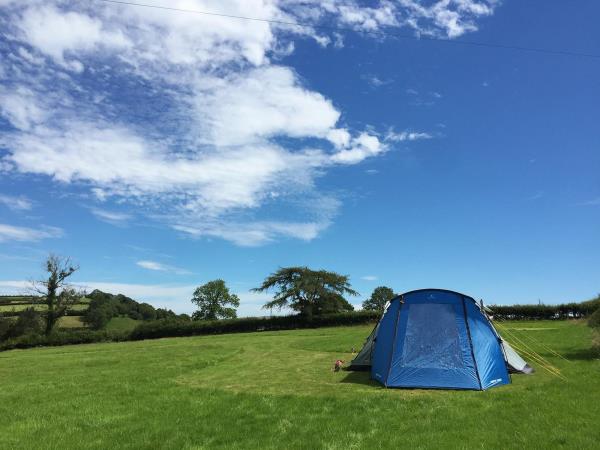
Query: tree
(98,317)
(380,296)
(214,301)
(305,290)
(55,292)
(28,322)
(332,304)
(594,320)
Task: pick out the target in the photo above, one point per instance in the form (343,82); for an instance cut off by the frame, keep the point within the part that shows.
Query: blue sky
(162,149)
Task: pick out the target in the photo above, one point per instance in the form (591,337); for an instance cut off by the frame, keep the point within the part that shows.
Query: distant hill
(104,306)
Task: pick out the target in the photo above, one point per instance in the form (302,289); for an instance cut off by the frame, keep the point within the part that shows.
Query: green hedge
(171,328)
(545,312)
(58,338)
(174,327)
(8,299)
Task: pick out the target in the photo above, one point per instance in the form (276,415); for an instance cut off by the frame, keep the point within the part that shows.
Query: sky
(161,149)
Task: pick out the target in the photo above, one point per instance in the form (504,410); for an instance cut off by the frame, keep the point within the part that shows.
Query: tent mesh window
(432,339)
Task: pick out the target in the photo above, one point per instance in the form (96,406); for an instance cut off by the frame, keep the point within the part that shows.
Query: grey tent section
(515,363)
(362,361)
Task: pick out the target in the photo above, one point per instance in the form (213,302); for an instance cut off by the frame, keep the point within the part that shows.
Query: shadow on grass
(360,378)
(584,354)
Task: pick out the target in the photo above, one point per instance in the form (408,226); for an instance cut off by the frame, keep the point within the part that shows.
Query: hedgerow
(175,327)
(545,312)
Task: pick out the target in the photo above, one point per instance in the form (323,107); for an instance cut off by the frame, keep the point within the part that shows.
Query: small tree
(28,322)
(302,289)
(55,292)
(214,302)
(380,296)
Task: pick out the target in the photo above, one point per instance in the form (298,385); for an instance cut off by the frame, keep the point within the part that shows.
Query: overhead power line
(370,32)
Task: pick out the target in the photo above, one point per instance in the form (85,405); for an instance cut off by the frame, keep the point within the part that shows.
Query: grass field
(276,390)
(71,322)
(121,324)
(37,307)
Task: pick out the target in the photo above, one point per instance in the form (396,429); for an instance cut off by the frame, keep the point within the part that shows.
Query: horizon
(162,149)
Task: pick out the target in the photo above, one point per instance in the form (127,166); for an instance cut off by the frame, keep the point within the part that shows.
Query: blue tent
(433,338)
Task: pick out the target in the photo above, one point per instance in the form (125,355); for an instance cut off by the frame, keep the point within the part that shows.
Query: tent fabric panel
(514,360)
(433,348)
(380,357)
(487,350)
(362,360)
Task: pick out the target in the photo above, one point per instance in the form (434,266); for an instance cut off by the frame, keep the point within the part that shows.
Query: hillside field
(18,303)
(277,390)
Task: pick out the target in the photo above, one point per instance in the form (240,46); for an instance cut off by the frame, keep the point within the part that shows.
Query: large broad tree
(307,291)
(380,296)
(214,302)
(55,292)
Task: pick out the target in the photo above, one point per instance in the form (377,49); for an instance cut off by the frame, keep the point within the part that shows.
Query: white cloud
(360,148)
(113,217)
(375,81)
(406,136)
(369,278)
(21,108)
(255,233)
(262,103)
(10,233)
(14,287)
(339,137)
(156,266)
(214,128)
(453,18)
(20,203)
(56,32)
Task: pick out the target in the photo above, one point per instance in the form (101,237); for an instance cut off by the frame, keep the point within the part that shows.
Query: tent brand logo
(377,375)
(496,381)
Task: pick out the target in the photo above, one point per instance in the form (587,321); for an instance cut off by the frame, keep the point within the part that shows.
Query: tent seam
(471,342)
(394,341)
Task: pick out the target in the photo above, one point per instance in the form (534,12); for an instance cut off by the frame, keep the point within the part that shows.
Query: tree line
(305,291)
(316,297)
(309,293)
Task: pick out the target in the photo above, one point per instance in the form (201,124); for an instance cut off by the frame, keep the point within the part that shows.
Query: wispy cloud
(20,203)
(369,278)
(11,233)
(159,267)
(112,217)
(192,144)
(536,196)
(406,136)
(418,98)
(592,202)
(375,81)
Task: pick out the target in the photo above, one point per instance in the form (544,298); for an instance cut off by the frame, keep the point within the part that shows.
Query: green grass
(121,324)
(37,307)
(277,390)
(71,322)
